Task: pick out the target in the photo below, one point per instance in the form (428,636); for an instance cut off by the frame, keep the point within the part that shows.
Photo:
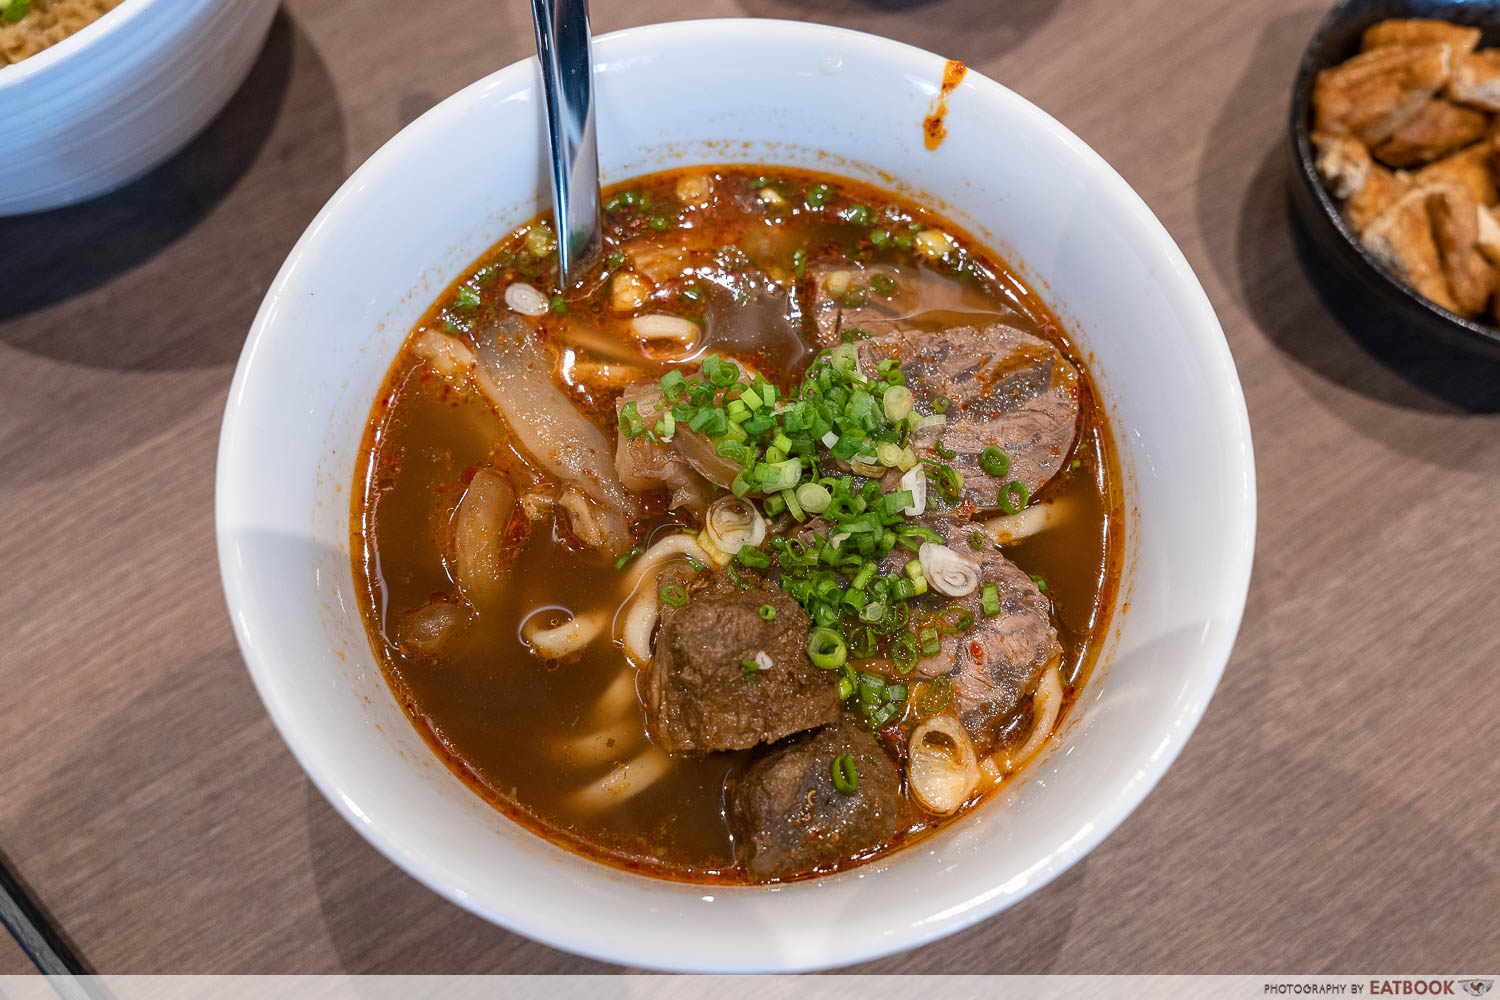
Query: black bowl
(1336,40)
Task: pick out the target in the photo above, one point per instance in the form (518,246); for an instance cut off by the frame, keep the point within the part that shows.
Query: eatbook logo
(1477,987)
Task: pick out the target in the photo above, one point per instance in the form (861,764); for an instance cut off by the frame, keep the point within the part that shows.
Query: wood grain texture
(1336,810)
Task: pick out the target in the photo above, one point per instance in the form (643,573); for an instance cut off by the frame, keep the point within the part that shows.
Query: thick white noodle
(1012,528)
(565,639)
(1046,703)
(602,745)
(624,781)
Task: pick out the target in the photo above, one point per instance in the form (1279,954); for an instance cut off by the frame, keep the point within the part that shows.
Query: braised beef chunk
(1004,386)
(701,695)
(996,665)
(788,816)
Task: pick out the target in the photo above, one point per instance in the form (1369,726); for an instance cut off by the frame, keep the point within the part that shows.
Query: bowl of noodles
(94,93)
(741,143)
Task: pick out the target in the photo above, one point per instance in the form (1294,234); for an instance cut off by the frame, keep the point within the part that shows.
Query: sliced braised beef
(871,298)
(1004,386)
(996,665)
(788,816)
(701,693)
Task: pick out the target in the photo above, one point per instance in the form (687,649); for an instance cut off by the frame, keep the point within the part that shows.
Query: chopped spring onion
(1014,497)
(994,462)
(635,551)
(749,668)
(989,599)
(753,558)
(896,403)
(814,497)
(674,594)
(929,642)
(976,541)
(935,698)
(955,619)
(883,284)
(631,424)
(767,612)
(845,775)
(904,651)
(826,649)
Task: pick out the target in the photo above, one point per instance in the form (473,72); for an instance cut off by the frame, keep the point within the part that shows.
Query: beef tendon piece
(1343,163)
(1470,167)
(1438,129)
(790,817)
(1455,229)
(1476,80)
(1004,387)
(1402,239)
(700,693)
(1376,92)
(1420,31)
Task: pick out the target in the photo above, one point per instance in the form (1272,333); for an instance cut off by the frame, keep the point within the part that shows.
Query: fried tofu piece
(1419,31)
(1471,167)
(1455,230)
(1476,80)
(1402,239)
(1376,92)
(1342,162)
(1437,130)
(1380,192)
(1487,233)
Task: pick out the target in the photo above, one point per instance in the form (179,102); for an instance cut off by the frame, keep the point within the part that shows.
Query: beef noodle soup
(785,539)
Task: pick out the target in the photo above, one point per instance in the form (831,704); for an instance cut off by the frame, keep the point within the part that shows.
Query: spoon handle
(563,46)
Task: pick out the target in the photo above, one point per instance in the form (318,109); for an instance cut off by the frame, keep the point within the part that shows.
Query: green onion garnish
(635,551)
(989,599)
(976,541)
(845,775)
(826,649)
(1014,497)
(767,612)
(674,594)
(935,698)
(994,462)
(753,558)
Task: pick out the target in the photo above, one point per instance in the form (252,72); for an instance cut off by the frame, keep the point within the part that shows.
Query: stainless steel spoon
(563,46)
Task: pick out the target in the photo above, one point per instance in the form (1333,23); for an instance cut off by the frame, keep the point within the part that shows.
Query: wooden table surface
(1337,809)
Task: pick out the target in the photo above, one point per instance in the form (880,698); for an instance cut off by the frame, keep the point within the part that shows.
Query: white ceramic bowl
(465,173)
(113,100)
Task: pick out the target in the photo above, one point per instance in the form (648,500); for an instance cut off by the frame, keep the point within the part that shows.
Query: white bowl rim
(93,33)
(1237,562)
